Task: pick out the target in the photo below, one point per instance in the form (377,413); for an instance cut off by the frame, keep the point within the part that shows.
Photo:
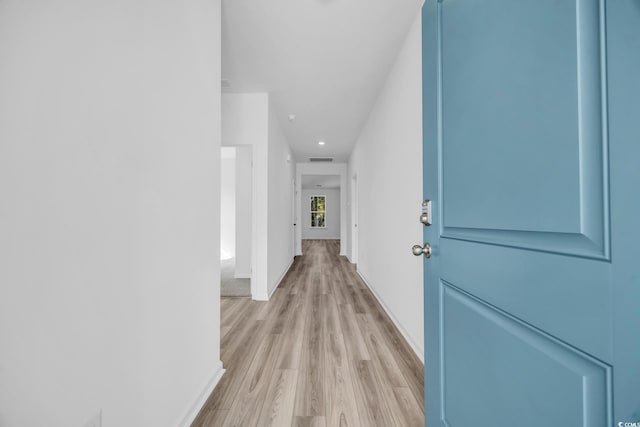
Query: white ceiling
(311,182)
(322,60)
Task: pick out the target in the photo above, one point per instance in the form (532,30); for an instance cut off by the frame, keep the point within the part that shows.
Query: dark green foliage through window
(318,211)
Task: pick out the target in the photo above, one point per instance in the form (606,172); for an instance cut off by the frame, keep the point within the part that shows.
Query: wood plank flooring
(321,352)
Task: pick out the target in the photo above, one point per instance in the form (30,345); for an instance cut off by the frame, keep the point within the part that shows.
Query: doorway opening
(320,207)
(235,221)
(354,220)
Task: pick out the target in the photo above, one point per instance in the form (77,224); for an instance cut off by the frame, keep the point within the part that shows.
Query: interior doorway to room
(235,221)
(294,216)
(320,207)
(354,220)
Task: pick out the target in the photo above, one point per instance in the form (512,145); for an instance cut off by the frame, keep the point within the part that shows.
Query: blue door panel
(531,123)
(524,146)
(509,109)
(538,288)
(517,369)
(623,65)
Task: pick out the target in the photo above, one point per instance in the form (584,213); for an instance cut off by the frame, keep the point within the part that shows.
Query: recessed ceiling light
(292,118)
(321,142)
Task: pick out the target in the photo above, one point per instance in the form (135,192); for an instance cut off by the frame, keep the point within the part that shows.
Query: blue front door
(532,161)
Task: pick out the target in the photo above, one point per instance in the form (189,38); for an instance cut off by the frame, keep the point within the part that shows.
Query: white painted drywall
(243,211)
(321,169)
(280,215)
(249,119)
(245,121)
(109,220)
(228,203)
(332,215)
(387,160)
(323,60)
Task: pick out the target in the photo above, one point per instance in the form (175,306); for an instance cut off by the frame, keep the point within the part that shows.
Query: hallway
(321,352)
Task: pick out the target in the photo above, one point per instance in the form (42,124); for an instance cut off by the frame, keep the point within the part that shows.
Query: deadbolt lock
(425,216)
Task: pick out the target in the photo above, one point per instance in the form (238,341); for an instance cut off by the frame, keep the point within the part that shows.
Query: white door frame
(323,169)
(294,217)
(354,219)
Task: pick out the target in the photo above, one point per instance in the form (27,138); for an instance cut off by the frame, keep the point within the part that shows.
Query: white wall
(109,220)
(245,121)
(321,169)
(243,211)
(228,203)
(248,119)
(389,179)
(332,215)
(280,214)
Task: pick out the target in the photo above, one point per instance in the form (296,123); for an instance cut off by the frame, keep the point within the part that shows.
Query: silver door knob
(425,250)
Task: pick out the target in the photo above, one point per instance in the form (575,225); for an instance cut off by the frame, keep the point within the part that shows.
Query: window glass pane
(317,219)
(317,211)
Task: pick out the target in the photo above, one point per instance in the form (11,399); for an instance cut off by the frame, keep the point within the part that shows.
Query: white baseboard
(415,347)
(192,413)
(263,296)
(266,297)
(284,273)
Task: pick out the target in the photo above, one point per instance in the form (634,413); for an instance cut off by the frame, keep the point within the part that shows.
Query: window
(318,207)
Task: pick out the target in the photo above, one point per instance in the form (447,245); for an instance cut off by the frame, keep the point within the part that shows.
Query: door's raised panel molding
(562,243)
(582,226)
(521,364)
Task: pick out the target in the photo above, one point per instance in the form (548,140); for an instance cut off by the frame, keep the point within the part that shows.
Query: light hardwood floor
(321,352)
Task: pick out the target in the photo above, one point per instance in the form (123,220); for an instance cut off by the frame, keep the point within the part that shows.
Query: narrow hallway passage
(321,352)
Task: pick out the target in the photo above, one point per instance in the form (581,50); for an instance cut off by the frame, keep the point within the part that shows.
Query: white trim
(353,233)
(242,276)
(284,273)
(265,297)
(262,296)
(415,347)
(322,169)
(192,413)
